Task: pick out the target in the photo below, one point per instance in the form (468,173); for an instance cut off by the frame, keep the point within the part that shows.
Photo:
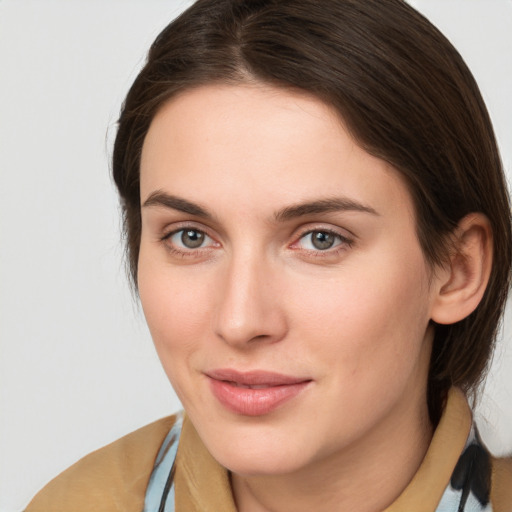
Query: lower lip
(254,402)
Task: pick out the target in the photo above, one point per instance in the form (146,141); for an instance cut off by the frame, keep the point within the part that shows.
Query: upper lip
(255,377)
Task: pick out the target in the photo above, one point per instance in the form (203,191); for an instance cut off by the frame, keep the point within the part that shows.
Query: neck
(367,476)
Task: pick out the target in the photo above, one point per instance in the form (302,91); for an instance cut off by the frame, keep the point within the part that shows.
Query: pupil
(322,240)
(192,239)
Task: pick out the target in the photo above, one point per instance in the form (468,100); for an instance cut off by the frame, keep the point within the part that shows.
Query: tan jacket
(114,478)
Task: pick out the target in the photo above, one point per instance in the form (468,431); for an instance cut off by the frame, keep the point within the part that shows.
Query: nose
(250,305)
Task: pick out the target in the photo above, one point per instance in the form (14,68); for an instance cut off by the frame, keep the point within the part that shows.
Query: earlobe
(462,282)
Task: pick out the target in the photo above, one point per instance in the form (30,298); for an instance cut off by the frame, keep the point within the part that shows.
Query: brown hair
(403,91)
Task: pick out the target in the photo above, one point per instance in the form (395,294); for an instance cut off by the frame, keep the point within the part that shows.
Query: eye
(321,240)
(189,238)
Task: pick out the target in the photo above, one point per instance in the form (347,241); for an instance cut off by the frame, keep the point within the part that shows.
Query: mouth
(247,386)
(254,393)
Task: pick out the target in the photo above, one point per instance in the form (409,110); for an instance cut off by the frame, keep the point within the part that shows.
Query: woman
(318,227)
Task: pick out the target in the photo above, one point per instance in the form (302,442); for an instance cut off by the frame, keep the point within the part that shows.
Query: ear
(461,283)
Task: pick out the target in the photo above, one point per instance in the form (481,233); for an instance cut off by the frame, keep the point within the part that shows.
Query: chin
(259,450)
(265,463)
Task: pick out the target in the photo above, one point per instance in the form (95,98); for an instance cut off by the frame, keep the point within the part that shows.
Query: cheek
(174,311)
(368,320)
(175,303)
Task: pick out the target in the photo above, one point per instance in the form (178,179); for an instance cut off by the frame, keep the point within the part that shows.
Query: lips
(254,393)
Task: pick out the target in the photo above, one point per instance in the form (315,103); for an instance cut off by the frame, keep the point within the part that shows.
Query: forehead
(257,146)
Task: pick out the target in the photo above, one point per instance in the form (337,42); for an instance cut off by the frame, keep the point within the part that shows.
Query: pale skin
(272,241)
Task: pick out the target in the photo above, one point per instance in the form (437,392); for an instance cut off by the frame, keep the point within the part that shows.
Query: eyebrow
(160,198)
(335,204)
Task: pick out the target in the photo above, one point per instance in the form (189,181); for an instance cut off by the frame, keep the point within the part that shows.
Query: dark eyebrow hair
(160,198)
(334,204)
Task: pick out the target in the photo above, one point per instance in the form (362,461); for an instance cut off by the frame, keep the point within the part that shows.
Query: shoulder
(113,478)
(501,489)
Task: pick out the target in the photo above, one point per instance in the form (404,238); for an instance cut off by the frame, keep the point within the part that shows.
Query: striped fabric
(160,490)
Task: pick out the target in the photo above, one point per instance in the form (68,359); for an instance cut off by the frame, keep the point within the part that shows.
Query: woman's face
(281,278)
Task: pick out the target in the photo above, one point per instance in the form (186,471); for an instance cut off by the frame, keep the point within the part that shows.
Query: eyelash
(343,243)
(185,252)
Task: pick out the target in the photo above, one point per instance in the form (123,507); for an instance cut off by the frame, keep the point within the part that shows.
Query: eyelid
(311,228)
(182,251)
(175,227)
(346,240)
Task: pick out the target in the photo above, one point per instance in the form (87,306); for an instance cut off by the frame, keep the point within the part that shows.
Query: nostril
(260,337)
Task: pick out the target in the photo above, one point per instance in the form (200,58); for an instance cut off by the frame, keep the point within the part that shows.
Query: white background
(77,366)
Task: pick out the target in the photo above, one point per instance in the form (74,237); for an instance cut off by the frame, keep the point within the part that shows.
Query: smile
(254,393)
